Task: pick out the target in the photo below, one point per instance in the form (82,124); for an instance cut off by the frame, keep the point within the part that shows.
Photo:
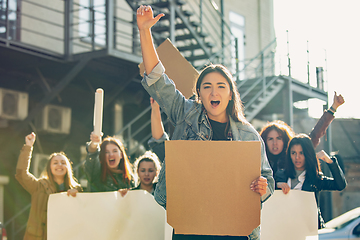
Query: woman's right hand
(145,19)
(284,187)
(96,139)
(30,139)
(123,192)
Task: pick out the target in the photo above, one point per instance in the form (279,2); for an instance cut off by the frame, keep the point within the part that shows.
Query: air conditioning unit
(13,104)
(54,119)
(38,163)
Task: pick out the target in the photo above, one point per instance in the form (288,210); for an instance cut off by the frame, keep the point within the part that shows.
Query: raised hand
(95,138)
(30,139)
(338,101)
(145,18)
(154,104)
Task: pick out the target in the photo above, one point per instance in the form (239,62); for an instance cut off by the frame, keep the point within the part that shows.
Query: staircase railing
(208,11)
(260,66)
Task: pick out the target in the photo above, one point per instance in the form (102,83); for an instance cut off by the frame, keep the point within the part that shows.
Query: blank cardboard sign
(208,187)
(176,67)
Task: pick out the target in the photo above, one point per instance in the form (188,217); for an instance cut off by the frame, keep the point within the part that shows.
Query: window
(237,27)
(12,17)
(92,26)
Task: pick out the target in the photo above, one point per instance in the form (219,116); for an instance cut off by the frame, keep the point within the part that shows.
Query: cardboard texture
(177,68)
(208,187)
(106,216)
(290,216)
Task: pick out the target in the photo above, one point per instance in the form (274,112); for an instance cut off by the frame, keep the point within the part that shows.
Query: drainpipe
(3,181)
(109,24)
(68,29)
(222,31)
(172,21)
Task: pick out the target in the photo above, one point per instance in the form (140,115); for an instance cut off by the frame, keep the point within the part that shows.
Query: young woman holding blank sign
(302,170)
(107,166)
(217,114)
(57,177)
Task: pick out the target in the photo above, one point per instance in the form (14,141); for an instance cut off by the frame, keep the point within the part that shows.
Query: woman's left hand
(72,192)
(324,156)
(259,185)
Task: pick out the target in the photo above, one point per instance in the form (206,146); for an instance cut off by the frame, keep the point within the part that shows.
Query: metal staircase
(183,25)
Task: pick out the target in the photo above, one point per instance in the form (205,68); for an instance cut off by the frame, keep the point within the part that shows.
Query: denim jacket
(191,123)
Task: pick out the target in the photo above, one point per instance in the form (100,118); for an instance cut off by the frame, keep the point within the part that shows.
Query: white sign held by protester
(290,216)
(106,216)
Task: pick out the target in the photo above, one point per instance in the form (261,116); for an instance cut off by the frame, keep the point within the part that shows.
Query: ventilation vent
(13,104)
(54,119)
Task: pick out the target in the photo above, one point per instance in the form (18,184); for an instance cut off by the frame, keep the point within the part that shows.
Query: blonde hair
(148,156)
(70,181)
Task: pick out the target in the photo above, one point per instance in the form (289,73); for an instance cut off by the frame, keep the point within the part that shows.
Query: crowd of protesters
(288,161)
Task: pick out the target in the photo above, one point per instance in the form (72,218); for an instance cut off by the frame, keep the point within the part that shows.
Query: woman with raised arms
(216,114)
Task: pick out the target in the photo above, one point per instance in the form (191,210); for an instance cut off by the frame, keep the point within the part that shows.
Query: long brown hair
(70,181)
(235,108)
(124,165)
(284,130)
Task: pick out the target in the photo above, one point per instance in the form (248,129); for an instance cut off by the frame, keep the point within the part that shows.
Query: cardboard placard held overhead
(208,187)
(176,67)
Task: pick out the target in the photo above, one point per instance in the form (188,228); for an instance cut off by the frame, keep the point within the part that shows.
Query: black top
(220,130)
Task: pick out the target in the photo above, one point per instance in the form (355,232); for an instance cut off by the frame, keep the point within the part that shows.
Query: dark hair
(124,164)
(69,180)
(235,108)
(312,164)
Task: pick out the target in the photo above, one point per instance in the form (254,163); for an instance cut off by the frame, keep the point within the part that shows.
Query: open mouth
(111,161)
(215,103)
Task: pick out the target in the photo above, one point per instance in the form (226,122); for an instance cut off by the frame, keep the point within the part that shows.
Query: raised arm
(337,102)
(24,177)
(94,144)
(157,128)
(145,20)
(328,116)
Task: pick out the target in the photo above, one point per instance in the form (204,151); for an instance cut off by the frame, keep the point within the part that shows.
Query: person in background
(217,114)
(56,177)
(147,168)
(277,134)
(107,166)
(302,170)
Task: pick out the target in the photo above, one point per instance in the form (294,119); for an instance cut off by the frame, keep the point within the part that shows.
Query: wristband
(332,109)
